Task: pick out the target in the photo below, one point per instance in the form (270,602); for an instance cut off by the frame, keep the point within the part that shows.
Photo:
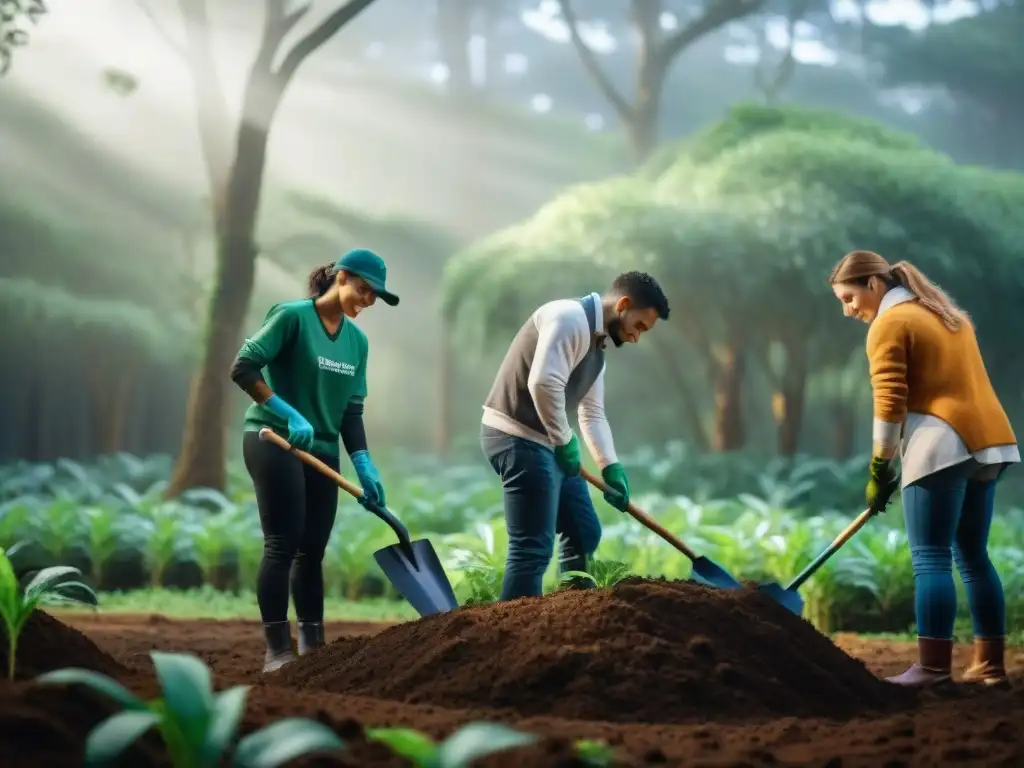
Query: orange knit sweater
(920,366)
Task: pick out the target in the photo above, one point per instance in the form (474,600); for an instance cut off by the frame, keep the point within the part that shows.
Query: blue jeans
(948,517)
(540,502)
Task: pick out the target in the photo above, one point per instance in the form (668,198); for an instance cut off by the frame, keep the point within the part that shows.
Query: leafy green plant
(48,587)
(197,725)
(594,753)
(349,560)
(165,528)
(760,520)
(479,557)
(603,573)
(105,534)
(471,742)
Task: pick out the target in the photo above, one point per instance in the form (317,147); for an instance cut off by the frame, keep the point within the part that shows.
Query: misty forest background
(171,169)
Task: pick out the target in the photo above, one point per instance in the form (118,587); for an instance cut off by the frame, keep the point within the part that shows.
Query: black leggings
(297,505)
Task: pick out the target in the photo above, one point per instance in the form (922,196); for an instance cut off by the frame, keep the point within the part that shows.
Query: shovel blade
(713,575)
(787,598)
(422,583)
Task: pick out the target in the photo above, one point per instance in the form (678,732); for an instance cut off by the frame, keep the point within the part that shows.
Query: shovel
(411,566)
(704,571)
(789,598)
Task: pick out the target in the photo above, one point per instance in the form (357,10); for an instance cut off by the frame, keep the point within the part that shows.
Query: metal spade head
(713,575)
(421,580)
(788,598)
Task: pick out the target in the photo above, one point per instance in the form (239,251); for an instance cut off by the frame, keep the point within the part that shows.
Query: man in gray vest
(555,365)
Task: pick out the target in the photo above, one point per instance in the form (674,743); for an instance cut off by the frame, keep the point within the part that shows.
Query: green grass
(208,603)
(962,634)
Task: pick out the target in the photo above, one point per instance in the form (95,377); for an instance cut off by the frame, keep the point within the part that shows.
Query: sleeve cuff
(885,432)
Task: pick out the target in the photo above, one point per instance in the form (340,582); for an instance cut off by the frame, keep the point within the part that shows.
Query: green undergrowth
(208,603)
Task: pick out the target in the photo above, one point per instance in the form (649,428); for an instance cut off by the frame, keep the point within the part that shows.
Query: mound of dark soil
(46,644)
(643,651)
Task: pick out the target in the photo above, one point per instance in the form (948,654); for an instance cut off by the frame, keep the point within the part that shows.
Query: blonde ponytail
(930,295)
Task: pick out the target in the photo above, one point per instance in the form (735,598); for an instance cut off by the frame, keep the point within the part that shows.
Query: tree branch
(320,35)
(278,23)
(591,65)
(161,30)
(771,84)
(717,14)
(211,106)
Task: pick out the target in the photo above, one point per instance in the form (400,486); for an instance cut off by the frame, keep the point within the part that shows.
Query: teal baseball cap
(371,267)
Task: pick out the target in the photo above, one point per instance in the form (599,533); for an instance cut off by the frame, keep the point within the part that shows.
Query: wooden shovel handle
(859,522)
(348,486)
(642,517)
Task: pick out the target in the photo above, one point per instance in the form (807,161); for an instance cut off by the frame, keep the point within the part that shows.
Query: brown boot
(936,664)
(988,666)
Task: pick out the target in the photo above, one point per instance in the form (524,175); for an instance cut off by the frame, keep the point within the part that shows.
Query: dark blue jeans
(540,503)
(948,517)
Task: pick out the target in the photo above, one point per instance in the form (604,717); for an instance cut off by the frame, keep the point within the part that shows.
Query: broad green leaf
(85,594)
(113,736)
(45,580)
(95,681)
(229,706)
(188,692)
(8,585)
(284,741)
(475,740)
(406,742)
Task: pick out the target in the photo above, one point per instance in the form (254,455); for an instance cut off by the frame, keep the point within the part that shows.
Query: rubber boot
(936,664)
(278,635)
(311,636)
(988,666)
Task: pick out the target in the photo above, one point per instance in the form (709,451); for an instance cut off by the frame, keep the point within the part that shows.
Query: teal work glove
(618,486)
(568,457)
(300,431)
(881,485)
(369,478)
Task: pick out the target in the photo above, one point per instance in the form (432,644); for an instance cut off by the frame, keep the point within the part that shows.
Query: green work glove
(882,484)
(369,478)
(568,456)
(618,486)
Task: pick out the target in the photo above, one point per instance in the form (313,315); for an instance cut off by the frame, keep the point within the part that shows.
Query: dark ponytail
(321,279)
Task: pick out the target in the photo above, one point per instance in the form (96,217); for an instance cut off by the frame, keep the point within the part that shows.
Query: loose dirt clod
(46,644)
(643,651)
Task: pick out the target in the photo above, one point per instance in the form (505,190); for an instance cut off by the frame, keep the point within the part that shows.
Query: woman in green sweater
(305,370)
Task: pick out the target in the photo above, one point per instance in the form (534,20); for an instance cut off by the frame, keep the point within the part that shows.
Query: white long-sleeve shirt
(554,364)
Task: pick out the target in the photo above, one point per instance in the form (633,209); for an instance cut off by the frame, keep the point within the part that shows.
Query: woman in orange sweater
(934,401)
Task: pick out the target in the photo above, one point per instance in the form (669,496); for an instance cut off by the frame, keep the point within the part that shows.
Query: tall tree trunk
(119,400)
(642,122)
(730,370)
(788,401)
(494,59)
(235,192)
(656,56)
(454,27)
(203,457)
(688,399)
(843,424)
(445,395)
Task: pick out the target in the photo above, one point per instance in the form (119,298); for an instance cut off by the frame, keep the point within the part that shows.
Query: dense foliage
(742,227)
(758,522)
(88,376)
